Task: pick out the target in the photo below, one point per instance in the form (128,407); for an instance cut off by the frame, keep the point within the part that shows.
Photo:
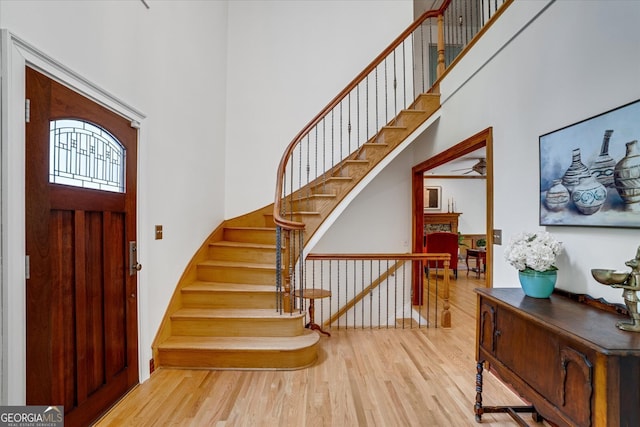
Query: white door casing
(15,55)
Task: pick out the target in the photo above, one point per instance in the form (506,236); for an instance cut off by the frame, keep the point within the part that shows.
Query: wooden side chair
(442,242)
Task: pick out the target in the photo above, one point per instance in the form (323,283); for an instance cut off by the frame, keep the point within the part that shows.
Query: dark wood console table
(566,358)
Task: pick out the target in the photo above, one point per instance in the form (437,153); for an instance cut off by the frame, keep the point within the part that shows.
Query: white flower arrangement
(536,251)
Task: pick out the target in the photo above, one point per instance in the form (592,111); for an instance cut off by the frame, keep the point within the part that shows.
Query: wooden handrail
(431,256)
(294,225)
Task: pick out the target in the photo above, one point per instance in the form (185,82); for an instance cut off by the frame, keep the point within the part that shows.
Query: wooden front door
(82,336)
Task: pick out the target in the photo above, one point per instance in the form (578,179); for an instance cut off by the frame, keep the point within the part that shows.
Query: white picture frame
(432,198)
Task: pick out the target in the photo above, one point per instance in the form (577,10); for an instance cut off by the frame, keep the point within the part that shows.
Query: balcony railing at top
(410,66)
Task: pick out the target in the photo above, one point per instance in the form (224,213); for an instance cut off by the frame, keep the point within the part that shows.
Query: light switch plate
(497,237)
(158,232)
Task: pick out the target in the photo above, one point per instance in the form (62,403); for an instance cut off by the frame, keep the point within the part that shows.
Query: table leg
(512,411)
(312,325)
(477,408)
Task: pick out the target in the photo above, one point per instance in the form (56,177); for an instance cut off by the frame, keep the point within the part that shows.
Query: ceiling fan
(480,168)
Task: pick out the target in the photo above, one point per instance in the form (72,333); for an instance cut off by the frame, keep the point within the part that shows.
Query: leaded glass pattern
(84,155)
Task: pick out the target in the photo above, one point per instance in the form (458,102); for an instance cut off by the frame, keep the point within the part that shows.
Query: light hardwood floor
(394,377)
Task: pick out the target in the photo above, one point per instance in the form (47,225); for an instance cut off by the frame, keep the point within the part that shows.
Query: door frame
(15,56)
(481,139)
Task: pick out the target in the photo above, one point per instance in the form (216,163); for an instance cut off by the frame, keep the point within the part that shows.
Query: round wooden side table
(312,294)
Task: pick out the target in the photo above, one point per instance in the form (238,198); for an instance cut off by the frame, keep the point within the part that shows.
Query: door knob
(134,265)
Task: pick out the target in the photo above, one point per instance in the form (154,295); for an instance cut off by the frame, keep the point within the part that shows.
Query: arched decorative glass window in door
(84,155)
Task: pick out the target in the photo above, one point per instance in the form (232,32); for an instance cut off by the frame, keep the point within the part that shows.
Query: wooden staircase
(223,313)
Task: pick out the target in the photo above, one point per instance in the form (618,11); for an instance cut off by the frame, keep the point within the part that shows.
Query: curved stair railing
(317,157)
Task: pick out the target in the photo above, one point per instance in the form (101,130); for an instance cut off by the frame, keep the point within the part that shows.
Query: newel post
(441,64)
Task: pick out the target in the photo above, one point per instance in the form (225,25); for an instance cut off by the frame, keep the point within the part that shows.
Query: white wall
(379,219)
(469,197)
(287,60)
(543,66)
(167,62)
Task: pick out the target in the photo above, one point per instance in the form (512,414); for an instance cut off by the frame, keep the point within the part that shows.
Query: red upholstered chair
(442,242)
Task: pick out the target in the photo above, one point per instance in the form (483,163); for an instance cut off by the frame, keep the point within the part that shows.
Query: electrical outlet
(158,232)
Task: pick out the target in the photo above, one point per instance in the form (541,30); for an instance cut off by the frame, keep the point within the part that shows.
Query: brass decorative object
(630,284)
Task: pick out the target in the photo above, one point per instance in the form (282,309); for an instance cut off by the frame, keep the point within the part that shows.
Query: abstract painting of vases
(557,197)
(576,171)
(590,171)
(626,176)
(602,167)
(589,195)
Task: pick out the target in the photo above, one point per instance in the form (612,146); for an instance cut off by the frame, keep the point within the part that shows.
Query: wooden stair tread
(374,143)
(252,228)
(305,213)
(236,264)
(307,339)
(393,127)
(316,196)
(337,178)
(234,244)
(201,286)
(233,313)
(324,195)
